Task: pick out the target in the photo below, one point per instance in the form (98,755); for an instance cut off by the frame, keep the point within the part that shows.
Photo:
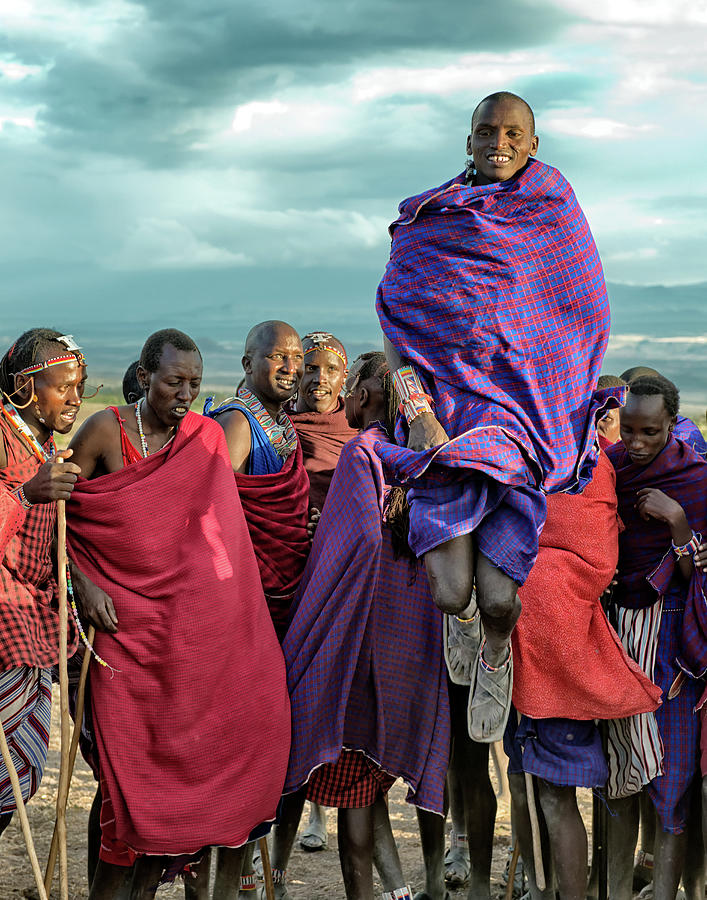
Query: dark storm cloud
(149,94)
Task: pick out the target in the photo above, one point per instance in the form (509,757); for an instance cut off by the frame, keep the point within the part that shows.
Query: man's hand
(94,604)
(52,481)
(701,558)
(654,504)
(426,432)
(314,516)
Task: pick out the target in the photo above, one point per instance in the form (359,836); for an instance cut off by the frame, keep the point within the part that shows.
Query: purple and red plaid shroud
(496,295)
(647,571)
(363,651)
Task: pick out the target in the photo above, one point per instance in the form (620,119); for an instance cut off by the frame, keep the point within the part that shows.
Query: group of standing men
(246,645)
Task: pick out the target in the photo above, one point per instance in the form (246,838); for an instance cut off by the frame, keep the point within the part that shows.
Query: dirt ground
(311,876)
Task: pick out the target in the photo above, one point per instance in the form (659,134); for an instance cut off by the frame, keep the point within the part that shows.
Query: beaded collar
(9,412)
(280,431)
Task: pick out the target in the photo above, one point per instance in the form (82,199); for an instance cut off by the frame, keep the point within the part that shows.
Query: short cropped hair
(654,385)
(131,386)
(504,95)
(152,351)
(607,381)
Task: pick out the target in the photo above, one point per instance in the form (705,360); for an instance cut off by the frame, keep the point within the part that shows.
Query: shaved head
(265,335)
(638,372)
(501,96)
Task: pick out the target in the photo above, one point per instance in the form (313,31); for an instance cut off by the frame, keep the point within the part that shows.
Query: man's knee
(451,586)
(496,592)
(556,800)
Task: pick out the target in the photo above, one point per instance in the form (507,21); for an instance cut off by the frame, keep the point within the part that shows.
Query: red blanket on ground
(569,661)
(322,436)
(193,729)
(276,509)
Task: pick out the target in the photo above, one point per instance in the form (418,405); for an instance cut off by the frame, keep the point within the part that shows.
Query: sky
(148,145)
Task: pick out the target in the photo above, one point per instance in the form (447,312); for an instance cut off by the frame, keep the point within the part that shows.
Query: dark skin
(51,401)
(319,389)
(501,141)
(169,394)
(646,425)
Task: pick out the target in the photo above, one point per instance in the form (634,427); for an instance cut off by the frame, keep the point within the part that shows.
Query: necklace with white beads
(141,433)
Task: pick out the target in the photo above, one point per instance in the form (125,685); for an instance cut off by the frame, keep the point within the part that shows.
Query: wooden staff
(535,831)
(22,813)
(63,790)
(512,871)
(267,870)
(78,718)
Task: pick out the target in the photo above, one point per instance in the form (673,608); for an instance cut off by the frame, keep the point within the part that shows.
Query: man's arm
(238,440)
(425,431)
(91,442)
(654,504)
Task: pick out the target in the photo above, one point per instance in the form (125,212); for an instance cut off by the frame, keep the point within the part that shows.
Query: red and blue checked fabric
(496,295)
(561,751)
(364,659)
(647,565)
(647,571)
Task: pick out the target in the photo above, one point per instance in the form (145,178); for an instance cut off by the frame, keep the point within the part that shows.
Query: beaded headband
(75,355)
(319,339)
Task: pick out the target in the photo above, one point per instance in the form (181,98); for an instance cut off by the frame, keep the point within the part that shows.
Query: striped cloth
(496,295)
(25,709)
(635,747)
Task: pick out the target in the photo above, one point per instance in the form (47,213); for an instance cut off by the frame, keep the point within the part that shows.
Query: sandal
(490,692)
(314,837)
(457,865)
(461,639)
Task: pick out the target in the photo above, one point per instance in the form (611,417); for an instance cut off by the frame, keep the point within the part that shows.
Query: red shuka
(193,728)
(568,660)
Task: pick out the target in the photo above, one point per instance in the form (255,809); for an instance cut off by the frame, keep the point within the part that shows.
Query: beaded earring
(470,170)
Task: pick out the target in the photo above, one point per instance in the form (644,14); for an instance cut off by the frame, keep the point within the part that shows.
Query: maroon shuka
(29,617)
(185,752)
(322,436)
(276,508)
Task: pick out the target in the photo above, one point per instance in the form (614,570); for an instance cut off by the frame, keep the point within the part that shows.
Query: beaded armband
(22,497)
(414,401)
(689,548)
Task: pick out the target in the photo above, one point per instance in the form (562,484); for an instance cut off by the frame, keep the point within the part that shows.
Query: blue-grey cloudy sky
(148,144)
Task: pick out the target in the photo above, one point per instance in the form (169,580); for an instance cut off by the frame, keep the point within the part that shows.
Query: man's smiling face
(501,139)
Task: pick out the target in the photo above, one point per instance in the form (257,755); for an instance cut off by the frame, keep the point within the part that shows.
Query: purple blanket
(647,565)
(496,295)
(364,659)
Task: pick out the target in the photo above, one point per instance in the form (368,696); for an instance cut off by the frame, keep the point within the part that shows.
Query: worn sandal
(457,865)
(461,639)
(490,699)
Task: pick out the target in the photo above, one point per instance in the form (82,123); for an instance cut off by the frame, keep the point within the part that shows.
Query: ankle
(402,893)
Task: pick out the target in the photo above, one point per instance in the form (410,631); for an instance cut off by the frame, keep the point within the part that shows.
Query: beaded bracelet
(22,497)
(689,548)
(414,400)
(278,875)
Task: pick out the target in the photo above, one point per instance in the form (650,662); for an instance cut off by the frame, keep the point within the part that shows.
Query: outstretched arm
(425,431)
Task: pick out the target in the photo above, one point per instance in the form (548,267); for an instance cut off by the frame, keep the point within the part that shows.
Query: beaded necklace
(143,440)
(280,431)
(24,432)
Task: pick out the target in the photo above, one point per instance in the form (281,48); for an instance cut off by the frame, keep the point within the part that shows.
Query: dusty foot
(461,643)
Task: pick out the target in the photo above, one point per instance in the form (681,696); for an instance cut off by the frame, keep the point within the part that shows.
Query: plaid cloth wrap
(646,569)
(29,618)
(496,295)
(364,628)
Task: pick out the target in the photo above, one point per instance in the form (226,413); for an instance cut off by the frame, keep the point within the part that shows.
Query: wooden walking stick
(63,790)
(267,869)
(512,871)
(22,813)
(534,829)
(78,718)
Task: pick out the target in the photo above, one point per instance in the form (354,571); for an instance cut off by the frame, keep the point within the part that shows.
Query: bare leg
(111,882)
(196,885)
(432,841)
(470,761)
(568,838)
(385,850)
(693,876)
(146,877)
(285,832)
(497,596)
(356,852)
(5,821)
(229,863)
(450,572)
(669,858)
(456,861)
(94,834)
(641,874)
(623,834)
(519,800)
